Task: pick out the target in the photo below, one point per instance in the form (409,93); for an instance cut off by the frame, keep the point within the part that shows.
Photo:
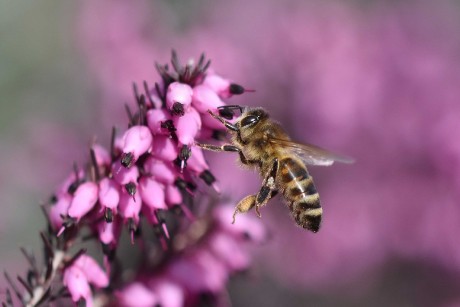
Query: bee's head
(250,120)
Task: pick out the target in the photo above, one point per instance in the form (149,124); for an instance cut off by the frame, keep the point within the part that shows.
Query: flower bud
(187,126)
(130,206)
(84,199)
(164,148)
(152,193)
(204,99)
(155,120)
(77,285)
(137,140)
(124,175)
(179,98)
(59,209)
(137,295)
(173,195)
(161,171)
(109,195)
(93,272)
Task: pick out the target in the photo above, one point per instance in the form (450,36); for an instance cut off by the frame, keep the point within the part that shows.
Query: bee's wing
(311,154)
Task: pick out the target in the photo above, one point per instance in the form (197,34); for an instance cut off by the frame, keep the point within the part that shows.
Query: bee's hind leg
(266,192)
(244,205)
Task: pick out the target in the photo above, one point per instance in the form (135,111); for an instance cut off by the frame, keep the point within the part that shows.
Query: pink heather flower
(93,272)
(152,193)
(156,119)
(146,183)
(77,285)
(124,175)
(137,295)
(136,141)
(164,148)
(109,194)
(84,199)
(188,126)
(179,98)
(59,210)
(162,171)
(205,98)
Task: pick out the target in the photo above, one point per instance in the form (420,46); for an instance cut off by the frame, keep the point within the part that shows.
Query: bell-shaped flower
(156,119)
(109,195)
(130,206)
(59,209)
(137,295)
(152,193)
(187,126)
(124,175)
(84,199)
(179,98)
(137,140)
(164,148)
(77,284)
(204,99)
(162,171)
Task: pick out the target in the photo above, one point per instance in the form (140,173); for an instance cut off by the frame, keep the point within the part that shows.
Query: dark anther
(53,199)
(131,188)
(236,89)
(108,251)
(177,210)
(73,187)
(127,159)
(178,109)
(108,215)
(208,177)
(184,155)
(181,184)
(168,125)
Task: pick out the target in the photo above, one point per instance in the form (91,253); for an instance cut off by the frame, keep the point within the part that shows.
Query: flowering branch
(146,182)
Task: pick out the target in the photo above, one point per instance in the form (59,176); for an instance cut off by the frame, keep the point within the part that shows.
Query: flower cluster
(148,180)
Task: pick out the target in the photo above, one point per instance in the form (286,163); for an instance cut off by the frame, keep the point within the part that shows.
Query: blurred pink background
(376,80)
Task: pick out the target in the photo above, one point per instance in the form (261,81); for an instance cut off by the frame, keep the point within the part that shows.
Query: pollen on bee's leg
(244,205)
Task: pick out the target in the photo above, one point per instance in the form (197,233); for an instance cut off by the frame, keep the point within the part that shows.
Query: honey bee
(263,144)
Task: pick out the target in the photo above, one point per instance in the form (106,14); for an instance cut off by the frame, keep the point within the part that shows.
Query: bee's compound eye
(249,120)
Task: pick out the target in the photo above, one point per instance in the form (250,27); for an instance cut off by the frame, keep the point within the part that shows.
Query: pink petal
(196,162)
(84,199)
(218,84)
(109,194)
(124,175)
(137,140)
(109,233)
(204,99)
(173,195)
(169,293)
(137,295)
(187,126)
(152,193)
(155,117)
(130,206)
(77,284)
(164,148)
(162,172)
(93,272)
(179,93)
(59,209)
(102,155)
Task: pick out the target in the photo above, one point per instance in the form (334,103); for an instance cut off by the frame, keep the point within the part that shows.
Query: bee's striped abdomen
(300,192)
